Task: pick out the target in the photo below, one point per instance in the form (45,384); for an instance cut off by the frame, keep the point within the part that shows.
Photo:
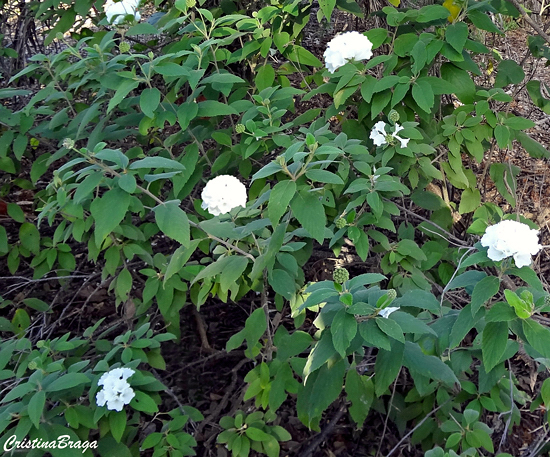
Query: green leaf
(387,366)
(156,162)
(282,283)
(125,87)
(36,407)
(255,326)
(67,381)
(327,6)
(279,199)
(179,258)
(537,336)
(108,211)
(545,392)
(509,72)
(322,351)
(186,113)
(428,365)
(423,95)
(143,402)
(360,392)
(483,291)
(372,335)
(502,135)
(148,102)
(265,77)
(302,56)
(143,28)
(360,241)
(321,389)
(456,35)
(20,322)
(29,237)
(256,434)
(463,324)
(16,213)
(117,424)
(310,212)
(500,312)
(495,336)
(233,270)
(470,200)
(460,81)
(390,328)
(212,108)
(522,308)
(518,123)
(534,148)
(534,89)
(323,176)
(343,329)
(482,21)
(173,222)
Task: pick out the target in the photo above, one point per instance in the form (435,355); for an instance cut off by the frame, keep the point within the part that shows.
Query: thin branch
(433,411)
(530,21)
(326,431)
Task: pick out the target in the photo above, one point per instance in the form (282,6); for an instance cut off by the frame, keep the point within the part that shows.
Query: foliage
(125,127)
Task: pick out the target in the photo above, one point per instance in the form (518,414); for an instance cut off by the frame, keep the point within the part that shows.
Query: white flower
(116,391)
(345,47)
(116,12)
(387,311)
(222,194)
(511,238)
(379,136)
(378,133)
(404,141)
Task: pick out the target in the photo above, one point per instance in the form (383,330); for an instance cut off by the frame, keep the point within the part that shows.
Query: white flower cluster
(116,12)
(345,47)
(222,194)
(387,311)
(116,391)
(379,136)
(511,238)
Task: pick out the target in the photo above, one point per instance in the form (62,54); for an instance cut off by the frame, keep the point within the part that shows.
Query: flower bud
(124,47)
(190,3)
(392,294)
(68,143)
(40,344)
(32,365)
(393,116)
(547,300)
(240,128)
(340,275)
(59,36)
(341,223)
(281,161)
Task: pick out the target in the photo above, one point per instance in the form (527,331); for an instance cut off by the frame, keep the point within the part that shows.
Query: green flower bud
(68,143)
(547,300)
(341,223)
(190,3)
(40,344)
(393,116)
(32,365)
(124,47)
(59,36)
(340,275)
(281,161)
(240,128)
(392,294)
